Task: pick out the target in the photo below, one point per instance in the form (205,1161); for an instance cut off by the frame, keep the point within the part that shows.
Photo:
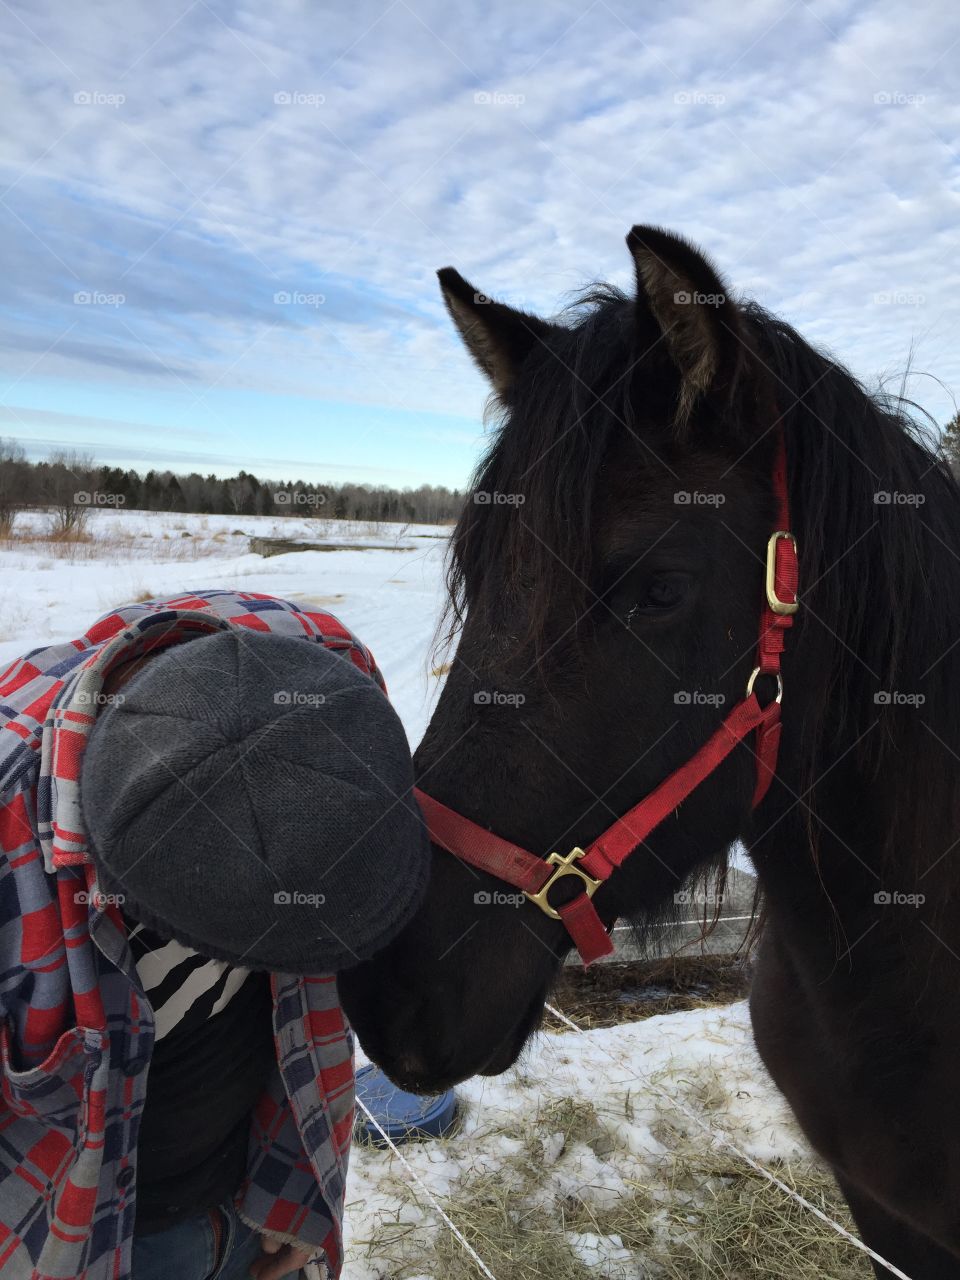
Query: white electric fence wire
(415,1177)
(720,1137)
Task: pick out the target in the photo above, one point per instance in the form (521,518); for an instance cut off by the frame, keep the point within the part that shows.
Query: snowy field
(575,1132)
(389,595)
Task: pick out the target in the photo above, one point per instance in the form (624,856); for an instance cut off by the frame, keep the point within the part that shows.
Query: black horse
(606,582)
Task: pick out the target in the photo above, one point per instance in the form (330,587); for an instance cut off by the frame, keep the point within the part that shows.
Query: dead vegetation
(701,1215)
(608,994)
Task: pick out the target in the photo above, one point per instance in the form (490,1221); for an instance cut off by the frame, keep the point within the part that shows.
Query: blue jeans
(189,1250)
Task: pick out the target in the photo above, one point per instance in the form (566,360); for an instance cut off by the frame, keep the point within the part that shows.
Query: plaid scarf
(76,1031)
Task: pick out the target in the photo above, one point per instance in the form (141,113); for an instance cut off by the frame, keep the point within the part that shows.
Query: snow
(703,1058)
(391,596)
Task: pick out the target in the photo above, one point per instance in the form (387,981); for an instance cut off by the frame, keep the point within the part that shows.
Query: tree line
(73,484)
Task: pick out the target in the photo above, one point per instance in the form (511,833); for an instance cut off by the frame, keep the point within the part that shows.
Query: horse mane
(554,464)
(880,592)
(880,581)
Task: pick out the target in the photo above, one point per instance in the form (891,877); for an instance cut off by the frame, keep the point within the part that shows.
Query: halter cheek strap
(535,877)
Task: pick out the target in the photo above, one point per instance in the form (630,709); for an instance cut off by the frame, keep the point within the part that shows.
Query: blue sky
(221,221)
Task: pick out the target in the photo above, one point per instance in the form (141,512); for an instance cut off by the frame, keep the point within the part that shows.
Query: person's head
(249,795)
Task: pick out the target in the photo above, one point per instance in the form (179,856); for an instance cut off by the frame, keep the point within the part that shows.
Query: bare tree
(12,468)
(69,487)
(950,444)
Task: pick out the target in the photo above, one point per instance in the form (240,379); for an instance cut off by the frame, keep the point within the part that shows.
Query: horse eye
(648,594)
(666,591)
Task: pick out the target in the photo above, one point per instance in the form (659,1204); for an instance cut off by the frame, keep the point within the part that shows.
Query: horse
(605,585)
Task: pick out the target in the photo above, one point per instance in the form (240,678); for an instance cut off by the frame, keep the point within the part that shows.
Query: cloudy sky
(221,221)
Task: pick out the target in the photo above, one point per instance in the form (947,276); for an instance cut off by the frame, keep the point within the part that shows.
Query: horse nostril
(412,1066)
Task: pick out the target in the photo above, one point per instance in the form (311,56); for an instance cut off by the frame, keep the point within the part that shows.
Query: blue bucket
(402,1115)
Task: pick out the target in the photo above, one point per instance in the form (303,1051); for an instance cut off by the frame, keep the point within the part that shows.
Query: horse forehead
(672,506)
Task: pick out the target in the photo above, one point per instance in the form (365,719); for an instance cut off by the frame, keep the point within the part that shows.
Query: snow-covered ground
(704,1059)
(391,596)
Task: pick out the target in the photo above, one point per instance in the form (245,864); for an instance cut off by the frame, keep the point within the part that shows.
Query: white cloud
(809,147)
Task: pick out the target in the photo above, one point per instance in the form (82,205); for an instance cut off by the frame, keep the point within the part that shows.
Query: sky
(221,222)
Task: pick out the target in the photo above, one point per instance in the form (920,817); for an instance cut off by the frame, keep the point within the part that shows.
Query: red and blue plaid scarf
(76,1032)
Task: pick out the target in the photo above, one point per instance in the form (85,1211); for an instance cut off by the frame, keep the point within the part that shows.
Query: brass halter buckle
(773,600)
(564,867)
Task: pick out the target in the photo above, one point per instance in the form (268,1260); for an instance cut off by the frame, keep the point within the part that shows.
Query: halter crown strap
(535,877)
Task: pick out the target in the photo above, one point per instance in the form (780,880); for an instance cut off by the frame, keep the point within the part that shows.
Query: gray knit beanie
(251,797)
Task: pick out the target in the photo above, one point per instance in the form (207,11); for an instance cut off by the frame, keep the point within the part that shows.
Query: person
(206,811)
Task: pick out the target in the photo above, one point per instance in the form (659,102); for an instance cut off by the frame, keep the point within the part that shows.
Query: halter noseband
(535,877)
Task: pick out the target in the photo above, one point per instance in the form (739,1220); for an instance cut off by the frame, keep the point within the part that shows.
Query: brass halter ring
(564,867)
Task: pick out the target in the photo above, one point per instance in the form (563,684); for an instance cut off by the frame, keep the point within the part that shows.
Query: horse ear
(701,325)
(498,337)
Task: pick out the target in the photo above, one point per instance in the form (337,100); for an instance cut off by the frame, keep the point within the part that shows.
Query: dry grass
(606,995)
(78,545)
(700,1216)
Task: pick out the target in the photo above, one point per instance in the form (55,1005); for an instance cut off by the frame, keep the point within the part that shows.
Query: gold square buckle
(565,866)
(773,600)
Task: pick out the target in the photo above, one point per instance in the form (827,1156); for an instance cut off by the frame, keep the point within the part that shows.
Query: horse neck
(872,811)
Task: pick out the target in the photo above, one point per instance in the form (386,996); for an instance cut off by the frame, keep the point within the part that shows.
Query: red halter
(535,877)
